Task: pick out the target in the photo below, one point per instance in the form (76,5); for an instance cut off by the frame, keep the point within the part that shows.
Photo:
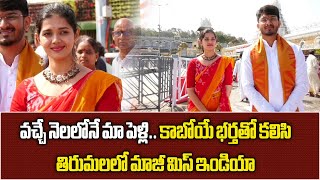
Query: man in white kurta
(312,70)
(127,70)
(17,59)
(268,24)
(123,65)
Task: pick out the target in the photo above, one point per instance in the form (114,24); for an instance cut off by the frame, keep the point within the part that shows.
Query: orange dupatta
(93,90)
(287,63)
(211,99)
(28,65)
(88,95)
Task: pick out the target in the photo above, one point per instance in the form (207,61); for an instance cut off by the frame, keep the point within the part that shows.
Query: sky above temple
(235,17)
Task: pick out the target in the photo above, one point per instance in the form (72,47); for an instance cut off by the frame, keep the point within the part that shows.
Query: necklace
(58,79)
(209,58)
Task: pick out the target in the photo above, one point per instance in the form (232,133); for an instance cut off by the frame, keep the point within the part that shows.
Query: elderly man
(273,71)
(17,58)
(124,39)
(124,64)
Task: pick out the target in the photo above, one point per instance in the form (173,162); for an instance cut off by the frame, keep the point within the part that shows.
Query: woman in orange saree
(84,95)
(209,77)
(65,85)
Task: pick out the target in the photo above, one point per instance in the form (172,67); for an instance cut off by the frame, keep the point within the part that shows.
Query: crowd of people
(272,73)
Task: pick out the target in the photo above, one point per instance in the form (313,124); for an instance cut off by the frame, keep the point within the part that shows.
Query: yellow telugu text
(162,163)
(232,131)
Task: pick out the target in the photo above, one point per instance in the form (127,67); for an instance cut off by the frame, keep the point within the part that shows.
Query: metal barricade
(147,82)
(180,66)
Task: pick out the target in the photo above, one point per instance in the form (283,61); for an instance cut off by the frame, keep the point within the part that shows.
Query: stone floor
(311,104)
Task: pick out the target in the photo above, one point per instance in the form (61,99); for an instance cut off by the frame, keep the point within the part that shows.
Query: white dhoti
(314,81)
(312,70)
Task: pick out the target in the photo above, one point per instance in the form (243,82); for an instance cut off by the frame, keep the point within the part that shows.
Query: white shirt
(8,78)
(117,65)
(276,101)
(120,66)
(126,70)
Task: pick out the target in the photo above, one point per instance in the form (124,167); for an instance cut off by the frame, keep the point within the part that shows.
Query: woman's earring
(41,62)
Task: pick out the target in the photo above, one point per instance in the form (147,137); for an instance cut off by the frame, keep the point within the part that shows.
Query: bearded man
(273,71)
(17,58)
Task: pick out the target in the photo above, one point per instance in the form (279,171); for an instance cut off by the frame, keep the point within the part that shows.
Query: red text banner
(159,145)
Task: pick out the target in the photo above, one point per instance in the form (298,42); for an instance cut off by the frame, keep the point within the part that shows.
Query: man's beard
(272,32)
(9,41)
(269,33)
